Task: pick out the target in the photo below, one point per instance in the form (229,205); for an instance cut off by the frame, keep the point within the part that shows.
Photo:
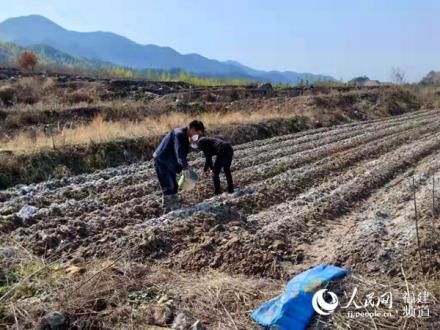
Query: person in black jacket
(170,158)
(215,146)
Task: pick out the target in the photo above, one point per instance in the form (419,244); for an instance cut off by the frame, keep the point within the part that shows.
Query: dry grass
(109,294)
(30,90)
(41,101)
(429,94)
(100,130)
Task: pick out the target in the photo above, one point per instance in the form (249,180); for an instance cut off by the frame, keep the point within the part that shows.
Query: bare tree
(397,75)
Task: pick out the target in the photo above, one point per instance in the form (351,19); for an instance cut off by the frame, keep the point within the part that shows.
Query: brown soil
(339,195)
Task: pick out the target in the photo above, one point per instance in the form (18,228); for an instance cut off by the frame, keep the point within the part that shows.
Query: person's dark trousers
(167,179)
(223,160)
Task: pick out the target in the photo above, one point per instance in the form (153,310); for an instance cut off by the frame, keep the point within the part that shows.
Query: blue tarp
(293,310)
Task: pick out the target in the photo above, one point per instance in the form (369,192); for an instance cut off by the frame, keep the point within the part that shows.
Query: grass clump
(29,280)
(99,130)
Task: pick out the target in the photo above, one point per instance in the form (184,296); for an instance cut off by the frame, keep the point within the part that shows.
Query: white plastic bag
(188,180)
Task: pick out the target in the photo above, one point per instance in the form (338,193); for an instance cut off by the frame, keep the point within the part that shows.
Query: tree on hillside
(432,78)
(28,61)
(397,76)
(359,80)
(122,73)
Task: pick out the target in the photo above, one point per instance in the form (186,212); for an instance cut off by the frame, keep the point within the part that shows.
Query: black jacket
(213,146)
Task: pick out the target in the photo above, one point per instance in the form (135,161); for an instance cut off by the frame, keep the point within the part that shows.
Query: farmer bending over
(223,150)
(170,158)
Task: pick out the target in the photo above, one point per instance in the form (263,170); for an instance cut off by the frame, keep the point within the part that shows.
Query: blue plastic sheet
(293,310)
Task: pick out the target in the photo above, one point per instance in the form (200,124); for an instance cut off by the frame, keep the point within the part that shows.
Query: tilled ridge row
(240,246)
(309,133)
(112,195)
(132,174)
(385,239)
(278,160)
(316,152)
(315,195)
(268,192)
(289,147)
(132,211)
(270,163)
(287,185)
(335,130)
(342,200)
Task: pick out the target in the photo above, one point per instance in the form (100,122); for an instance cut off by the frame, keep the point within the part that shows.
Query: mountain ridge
(112,48)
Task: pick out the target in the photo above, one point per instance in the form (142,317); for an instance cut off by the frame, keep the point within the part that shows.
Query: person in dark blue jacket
(170,158)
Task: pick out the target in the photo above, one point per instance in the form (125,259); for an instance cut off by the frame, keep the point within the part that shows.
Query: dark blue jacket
(173,149)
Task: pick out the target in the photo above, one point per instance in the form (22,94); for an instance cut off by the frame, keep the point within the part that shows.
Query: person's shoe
(174,202)
(170,203)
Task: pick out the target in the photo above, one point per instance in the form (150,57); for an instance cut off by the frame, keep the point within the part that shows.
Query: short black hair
(197,125)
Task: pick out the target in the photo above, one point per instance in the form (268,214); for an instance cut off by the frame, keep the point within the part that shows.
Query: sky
(341,38)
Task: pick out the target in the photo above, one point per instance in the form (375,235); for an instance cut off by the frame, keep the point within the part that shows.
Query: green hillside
(9,53)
